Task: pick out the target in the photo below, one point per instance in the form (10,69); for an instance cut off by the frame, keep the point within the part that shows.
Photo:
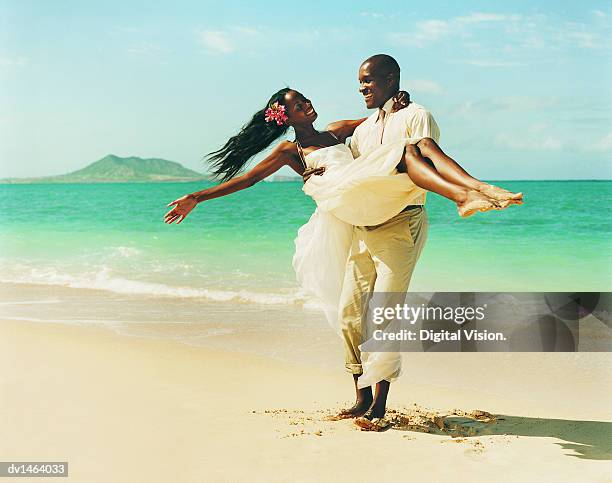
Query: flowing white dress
(364,191)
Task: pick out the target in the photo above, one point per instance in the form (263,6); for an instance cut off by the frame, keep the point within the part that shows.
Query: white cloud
(536,137)
(427,32)
(145,48)
(487,63)
(372,14)
(377,15)
(239,37)
(125,29)
(480,17)
(302,37)
(424,85)
(529,142)
(602,145)
(246,30)
(434,28)
(424,33)
(216,41)
(488,39)
(505,104)
(584,39)
(594,35)
(17,61)
(551,144)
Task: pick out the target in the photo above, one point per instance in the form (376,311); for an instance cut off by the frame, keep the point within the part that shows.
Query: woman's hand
(182,207)
(400,100)
(312,172)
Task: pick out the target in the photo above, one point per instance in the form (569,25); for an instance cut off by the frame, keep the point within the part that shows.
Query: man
(382,257)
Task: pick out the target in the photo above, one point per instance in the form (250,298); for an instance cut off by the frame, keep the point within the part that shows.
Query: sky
(520,90)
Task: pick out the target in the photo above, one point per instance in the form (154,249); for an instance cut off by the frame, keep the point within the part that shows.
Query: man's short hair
(384,64)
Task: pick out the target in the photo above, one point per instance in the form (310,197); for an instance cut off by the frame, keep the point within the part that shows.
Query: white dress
(364,191)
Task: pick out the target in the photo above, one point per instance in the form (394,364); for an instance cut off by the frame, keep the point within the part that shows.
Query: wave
(104,280)
(125,252)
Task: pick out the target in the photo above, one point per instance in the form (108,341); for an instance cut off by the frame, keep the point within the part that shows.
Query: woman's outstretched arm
(282,155)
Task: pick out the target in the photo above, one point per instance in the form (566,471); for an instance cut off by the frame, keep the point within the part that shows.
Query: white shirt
(413,121)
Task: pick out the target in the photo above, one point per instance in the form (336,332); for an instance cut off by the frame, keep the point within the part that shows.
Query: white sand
(127,409)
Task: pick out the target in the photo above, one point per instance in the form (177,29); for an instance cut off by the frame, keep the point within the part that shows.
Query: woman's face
(299,110)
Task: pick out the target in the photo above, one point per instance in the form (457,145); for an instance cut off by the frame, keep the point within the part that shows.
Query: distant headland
(114,169)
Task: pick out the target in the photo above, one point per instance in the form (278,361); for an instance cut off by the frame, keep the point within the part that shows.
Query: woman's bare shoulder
(286,147)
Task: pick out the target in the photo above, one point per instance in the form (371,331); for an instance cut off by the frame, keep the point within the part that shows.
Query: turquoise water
(111,237)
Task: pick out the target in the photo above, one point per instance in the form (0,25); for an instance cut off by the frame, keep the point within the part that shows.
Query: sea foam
(104,280)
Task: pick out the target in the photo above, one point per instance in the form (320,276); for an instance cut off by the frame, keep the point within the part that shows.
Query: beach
(208,349)
(138,351)
(121,403)
(132,409)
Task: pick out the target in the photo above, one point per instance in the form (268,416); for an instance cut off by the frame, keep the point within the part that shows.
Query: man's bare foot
(359,409)
(376,424)
(476,201)
(500,194)
(373,419)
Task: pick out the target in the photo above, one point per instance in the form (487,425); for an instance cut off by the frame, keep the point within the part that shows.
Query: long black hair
(255,136)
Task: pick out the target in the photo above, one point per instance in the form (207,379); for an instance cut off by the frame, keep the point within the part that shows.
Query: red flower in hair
(276,112)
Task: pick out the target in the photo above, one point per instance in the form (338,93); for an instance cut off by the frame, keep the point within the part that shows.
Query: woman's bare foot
(500,194)
(505,203)
(476,201)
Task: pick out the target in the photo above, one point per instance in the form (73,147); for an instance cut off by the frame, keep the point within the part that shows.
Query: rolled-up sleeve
(354,144)
(424,126)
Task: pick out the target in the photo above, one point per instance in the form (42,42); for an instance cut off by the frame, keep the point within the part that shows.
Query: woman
(290,108)
(352,192)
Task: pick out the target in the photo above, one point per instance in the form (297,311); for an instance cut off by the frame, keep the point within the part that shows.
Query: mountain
(280,178)
(113,169)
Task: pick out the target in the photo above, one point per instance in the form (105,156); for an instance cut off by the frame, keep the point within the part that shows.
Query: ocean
(111,237)
(100,254)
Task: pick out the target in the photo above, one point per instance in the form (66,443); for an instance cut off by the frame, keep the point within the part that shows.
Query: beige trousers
(382,259)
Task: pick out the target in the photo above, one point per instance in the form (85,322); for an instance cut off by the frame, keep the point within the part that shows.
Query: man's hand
(313,171)
(400,100)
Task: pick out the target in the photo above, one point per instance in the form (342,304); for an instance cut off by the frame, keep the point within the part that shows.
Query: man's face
(376,89)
